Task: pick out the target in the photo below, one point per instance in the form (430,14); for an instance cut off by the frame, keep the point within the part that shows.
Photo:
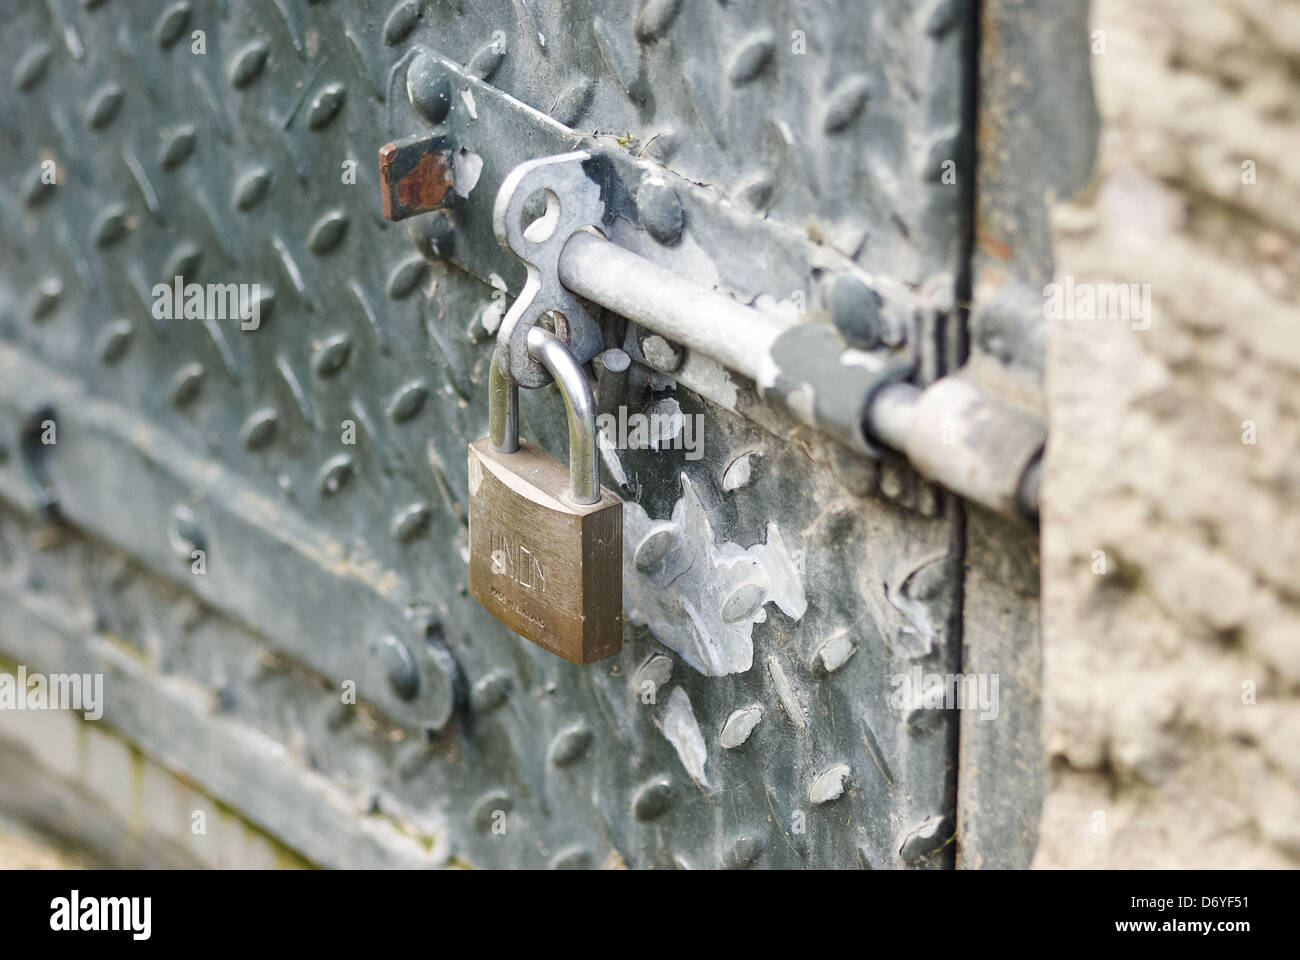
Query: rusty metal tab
(414,175)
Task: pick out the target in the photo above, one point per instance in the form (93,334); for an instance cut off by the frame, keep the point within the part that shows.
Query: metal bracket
(573,201)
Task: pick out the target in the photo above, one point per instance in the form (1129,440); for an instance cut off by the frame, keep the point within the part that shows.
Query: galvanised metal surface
(773,586)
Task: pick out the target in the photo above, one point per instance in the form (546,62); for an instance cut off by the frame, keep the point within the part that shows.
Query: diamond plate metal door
(311,451)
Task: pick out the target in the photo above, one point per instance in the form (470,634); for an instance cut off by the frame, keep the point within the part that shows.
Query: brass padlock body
(549,569)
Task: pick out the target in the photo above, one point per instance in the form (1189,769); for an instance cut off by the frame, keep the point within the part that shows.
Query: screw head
(428,88)
(614,360)
(399,665)
(855,311)
(659,210)
(435,235)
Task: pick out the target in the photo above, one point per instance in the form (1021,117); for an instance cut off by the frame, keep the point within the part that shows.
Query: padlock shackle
(503,410)
(579,402)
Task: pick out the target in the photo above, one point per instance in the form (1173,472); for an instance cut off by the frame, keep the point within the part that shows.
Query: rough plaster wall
(1144,666)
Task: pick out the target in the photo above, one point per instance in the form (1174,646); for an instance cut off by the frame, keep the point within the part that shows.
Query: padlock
(545,540)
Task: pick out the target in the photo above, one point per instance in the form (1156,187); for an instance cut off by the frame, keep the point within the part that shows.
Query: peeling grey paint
(657,670)
(739,471)
(666,422)
(913,599)
(907,609)
(811,372)
(466,166)
(709,379)
(609,454)
(700,598)
(467,96)
(829,784)
(835,652)
(682,730)
(927,837)
(786,692)
(739,726)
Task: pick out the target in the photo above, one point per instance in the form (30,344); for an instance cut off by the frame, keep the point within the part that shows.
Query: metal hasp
(952,432)
(572,201)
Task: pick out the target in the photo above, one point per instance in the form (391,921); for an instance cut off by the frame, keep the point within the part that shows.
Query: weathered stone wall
(1171,716)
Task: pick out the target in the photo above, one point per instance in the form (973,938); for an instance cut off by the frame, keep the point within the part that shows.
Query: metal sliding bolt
(965,439)
(737,336)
